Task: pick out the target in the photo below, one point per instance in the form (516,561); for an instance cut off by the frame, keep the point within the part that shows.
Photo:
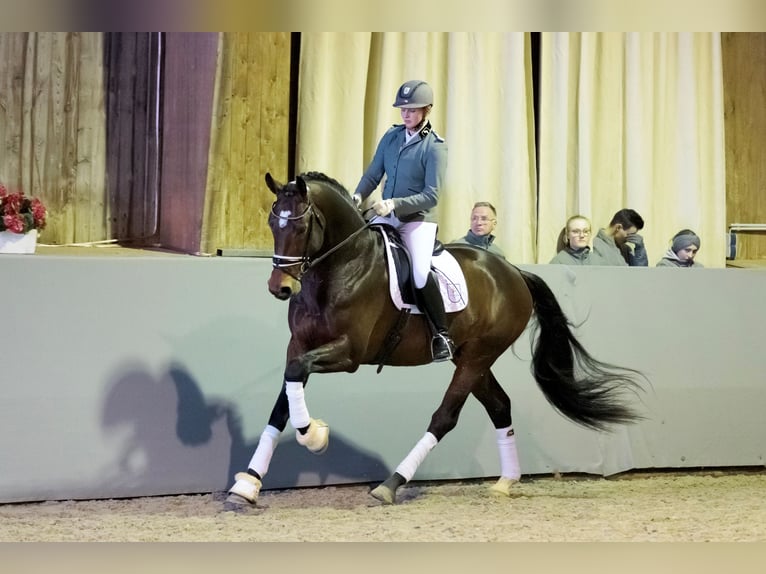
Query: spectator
(620,244)
(574,242)
(684,247)
(483,223)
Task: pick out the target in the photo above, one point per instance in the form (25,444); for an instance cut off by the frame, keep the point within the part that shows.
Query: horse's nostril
(285,292)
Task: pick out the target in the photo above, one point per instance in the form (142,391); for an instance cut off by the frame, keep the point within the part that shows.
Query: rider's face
(413,117)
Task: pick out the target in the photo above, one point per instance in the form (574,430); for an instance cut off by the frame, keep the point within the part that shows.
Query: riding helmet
(414,94)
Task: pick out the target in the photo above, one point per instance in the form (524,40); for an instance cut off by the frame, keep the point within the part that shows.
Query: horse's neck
(355,248)
(354,243)
(340,221)
(345,232)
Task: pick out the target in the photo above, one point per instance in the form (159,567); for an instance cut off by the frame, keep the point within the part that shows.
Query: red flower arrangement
(19,213)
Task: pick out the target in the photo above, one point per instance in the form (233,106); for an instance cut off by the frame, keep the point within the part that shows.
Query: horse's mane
(331,183)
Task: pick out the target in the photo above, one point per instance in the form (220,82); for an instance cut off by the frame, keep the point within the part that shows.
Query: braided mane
(332,183)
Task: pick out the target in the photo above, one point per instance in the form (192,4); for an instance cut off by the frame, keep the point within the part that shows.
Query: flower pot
(18,242)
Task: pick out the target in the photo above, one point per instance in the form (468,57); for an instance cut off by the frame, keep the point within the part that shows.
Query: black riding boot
(430,302)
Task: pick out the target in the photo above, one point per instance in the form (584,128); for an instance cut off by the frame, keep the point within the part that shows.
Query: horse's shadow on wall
(173,439)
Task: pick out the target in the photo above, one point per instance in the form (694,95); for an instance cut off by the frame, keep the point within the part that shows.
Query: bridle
(307,260)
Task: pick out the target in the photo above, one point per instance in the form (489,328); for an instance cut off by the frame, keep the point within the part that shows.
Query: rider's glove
(383,207)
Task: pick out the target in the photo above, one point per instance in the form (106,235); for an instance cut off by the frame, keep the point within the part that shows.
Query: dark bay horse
(331,267)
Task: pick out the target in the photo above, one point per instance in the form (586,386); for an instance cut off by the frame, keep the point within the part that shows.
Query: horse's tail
(582,388)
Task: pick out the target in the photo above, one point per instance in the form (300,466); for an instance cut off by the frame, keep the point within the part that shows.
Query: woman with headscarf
(684,247)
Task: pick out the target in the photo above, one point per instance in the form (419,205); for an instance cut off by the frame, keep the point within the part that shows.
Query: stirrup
(442,348)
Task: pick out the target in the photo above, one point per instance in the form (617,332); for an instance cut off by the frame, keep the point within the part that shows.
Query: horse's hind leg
(443,420)
(498,406)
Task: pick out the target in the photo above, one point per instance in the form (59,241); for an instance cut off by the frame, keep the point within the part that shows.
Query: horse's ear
(273,185)
(303,187)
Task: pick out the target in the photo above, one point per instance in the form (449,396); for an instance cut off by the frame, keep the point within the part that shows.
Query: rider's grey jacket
(414,172)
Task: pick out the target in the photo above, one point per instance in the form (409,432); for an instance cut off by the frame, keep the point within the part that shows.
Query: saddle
(445,267)
(448,274)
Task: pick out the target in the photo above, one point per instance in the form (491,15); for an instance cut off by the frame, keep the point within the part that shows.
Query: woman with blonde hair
(573,244)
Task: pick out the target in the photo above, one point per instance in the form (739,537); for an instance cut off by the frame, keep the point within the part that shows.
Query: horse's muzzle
(282,285)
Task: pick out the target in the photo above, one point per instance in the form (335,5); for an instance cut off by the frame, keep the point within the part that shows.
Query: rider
(414,159)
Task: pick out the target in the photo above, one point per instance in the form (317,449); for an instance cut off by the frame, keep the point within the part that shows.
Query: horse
(330,264)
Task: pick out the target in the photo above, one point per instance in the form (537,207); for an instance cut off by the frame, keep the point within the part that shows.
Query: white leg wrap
(264,451)
(299,412)
(509,456)
(510,472)
(247,486)
(417,455)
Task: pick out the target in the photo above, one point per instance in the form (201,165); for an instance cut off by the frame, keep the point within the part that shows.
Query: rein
(338,246)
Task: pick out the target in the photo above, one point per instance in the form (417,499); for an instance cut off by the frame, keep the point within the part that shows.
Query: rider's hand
(383,207)
(357,199)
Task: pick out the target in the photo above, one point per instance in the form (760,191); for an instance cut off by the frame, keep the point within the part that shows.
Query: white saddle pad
(449,274)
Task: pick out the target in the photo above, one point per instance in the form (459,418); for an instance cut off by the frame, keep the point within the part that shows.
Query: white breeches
(419,237)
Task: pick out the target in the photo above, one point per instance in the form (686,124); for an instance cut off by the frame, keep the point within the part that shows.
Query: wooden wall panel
(250,137)
(131,61)
(744,79)
(190,70)
(52,129)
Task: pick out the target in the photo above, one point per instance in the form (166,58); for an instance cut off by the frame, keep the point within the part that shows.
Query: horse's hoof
(384,494)
(246,488)
(317,438)
(237,501)
(503,486)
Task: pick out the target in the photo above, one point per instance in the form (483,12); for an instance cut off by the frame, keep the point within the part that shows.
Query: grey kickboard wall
(141,376)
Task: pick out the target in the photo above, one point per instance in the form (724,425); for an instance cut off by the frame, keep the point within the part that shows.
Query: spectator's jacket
(605,251)
(569,256)
(483,241)
(670,259)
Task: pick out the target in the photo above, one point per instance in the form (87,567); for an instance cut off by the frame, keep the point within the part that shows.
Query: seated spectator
(483,222)
(573,243)
(684,247)
(620,244)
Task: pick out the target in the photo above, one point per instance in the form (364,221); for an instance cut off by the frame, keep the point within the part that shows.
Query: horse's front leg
(331,357)
(290,405)
(247,485)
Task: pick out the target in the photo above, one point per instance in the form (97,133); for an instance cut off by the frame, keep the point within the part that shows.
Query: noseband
(305,261)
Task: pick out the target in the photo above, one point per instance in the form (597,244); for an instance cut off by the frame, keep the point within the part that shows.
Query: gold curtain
(52,125)
(483,109)
(633,120)
(626,120)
